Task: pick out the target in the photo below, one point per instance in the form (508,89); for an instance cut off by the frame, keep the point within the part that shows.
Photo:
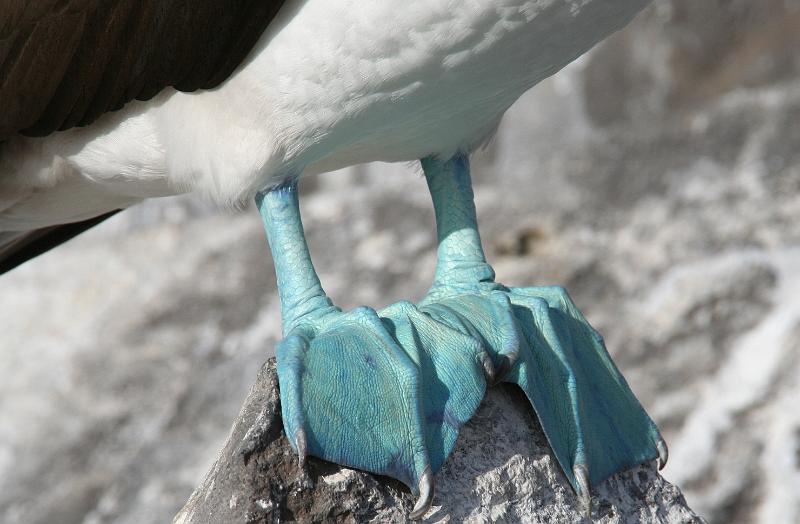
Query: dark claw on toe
(506,363)
(301,443)
(583,492)
(425,495)
(663,453)
(489,370)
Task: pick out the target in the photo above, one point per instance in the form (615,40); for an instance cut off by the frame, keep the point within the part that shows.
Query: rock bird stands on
(108,102)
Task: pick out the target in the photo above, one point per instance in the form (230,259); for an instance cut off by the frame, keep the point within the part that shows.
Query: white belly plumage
(331,83)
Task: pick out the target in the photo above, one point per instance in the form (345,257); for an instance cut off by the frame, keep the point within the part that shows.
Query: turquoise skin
(388,391)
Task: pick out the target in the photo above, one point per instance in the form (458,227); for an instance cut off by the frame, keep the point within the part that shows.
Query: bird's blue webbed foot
(381,391)
(538,339)
(384,392)
(594,423)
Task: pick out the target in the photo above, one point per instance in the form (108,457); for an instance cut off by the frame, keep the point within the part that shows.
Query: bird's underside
(330,83)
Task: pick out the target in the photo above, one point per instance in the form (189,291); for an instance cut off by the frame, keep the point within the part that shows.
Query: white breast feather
(331,83)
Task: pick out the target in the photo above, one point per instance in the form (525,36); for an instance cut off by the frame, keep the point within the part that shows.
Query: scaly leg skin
(388,391)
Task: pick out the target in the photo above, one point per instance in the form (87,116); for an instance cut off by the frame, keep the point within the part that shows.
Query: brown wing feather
(63,63)
(29,244)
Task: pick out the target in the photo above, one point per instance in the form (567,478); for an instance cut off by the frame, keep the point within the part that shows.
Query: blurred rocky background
(658,178)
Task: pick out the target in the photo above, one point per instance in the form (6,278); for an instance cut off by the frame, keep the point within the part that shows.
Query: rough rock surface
(501,471)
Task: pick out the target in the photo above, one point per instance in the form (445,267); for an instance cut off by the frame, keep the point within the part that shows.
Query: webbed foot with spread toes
(387,391)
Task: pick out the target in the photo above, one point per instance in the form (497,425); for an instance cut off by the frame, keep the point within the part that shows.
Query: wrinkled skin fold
(387,391)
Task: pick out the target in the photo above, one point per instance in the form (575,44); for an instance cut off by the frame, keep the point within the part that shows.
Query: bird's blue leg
(539,340)
(301,294)
(381,391)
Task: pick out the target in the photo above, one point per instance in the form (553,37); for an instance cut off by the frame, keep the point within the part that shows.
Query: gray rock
(500,471)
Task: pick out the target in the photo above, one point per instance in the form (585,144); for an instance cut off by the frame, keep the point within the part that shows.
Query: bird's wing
(63,63)
(19,247)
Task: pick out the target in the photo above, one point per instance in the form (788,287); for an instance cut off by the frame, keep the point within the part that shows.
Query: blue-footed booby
(109,102)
